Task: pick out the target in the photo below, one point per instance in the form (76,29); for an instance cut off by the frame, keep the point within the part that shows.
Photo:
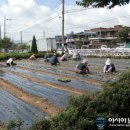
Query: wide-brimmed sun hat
(108,62)
(85,61)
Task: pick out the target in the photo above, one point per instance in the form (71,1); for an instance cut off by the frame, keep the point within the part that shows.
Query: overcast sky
(42,18)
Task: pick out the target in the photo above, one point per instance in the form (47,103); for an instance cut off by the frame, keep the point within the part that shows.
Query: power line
(47,20)
(89,23)
(81,26)
(96,22)
(51,18)
(76,10)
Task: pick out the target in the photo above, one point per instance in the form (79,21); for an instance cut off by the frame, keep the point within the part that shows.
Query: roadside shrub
(41,124)
(14,124)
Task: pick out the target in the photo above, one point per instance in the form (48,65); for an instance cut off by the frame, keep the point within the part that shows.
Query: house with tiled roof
(94,38)
(106,36)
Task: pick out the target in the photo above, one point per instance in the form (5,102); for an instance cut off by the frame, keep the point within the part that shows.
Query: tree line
(8,44)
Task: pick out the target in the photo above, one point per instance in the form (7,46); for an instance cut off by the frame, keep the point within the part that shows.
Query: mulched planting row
(54,79)
(13,108)
(59,69)
(58,97)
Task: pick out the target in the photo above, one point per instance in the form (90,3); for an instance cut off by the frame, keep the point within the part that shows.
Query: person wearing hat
(109,66)
(32,57)
(64,57)
(10,61)
(82,68)
(54,60)
(76,56)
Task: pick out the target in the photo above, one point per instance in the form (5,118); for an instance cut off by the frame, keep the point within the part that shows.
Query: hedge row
(5,56)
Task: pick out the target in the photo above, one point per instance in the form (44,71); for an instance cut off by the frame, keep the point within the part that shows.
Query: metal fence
(123,52)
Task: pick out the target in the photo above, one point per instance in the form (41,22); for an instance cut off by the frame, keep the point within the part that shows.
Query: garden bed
(13,108)
(40,79)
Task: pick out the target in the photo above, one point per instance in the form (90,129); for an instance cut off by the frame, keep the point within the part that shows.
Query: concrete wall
(42,45)
(51,44)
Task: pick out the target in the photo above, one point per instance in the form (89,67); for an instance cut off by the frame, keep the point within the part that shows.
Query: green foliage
(74,117)
(34,45)
(14,124)
(64,80)
(79,44)
(102,3)
(41,124)
(23,47)
(6,43)
(123,34)
(5,56)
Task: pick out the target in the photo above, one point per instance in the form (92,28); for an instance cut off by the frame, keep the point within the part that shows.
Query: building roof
(115,28)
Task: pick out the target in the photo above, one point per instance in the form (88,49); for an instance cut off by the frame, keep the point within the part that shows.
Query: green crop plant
(65,80)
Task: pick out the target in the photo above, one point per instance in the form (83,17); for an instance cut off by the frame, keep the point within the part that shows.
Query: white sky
(34,17)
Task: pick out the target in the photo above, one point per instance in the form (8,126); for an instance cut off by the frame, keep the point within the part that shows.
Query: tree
(34,45)
(102,3)
(23,47)
(6,43)
(79,44)
(123,34)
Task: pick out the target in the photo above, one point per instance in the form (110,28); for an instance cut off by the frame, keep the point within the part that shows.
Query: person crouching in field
(109,67)
(32,57)
(82,68)
(64,57)
(54,60)
(76,56)
(10,61)
(46,57)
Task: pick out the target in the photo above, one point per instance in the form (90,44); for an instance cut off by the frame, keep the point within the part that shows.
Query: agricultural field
(31,89)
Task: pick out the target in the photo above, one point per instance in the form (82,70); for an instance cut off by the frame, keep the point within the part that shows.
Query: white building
(47,44)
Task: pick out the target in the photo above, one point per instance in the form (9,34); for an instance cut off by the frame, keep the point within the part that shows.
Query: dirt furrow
(42,104)
(88,81)
(53,85)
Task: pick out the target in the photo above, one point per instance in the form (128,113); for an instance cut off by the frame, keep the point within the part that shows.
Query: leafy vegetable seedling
(65,80)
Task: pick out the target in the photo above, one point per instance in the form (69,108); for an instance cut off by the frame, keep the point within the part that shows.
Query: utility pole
(21,37)
(4,26)
(63,9)
(5,19)
(44,35)
(0,32)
